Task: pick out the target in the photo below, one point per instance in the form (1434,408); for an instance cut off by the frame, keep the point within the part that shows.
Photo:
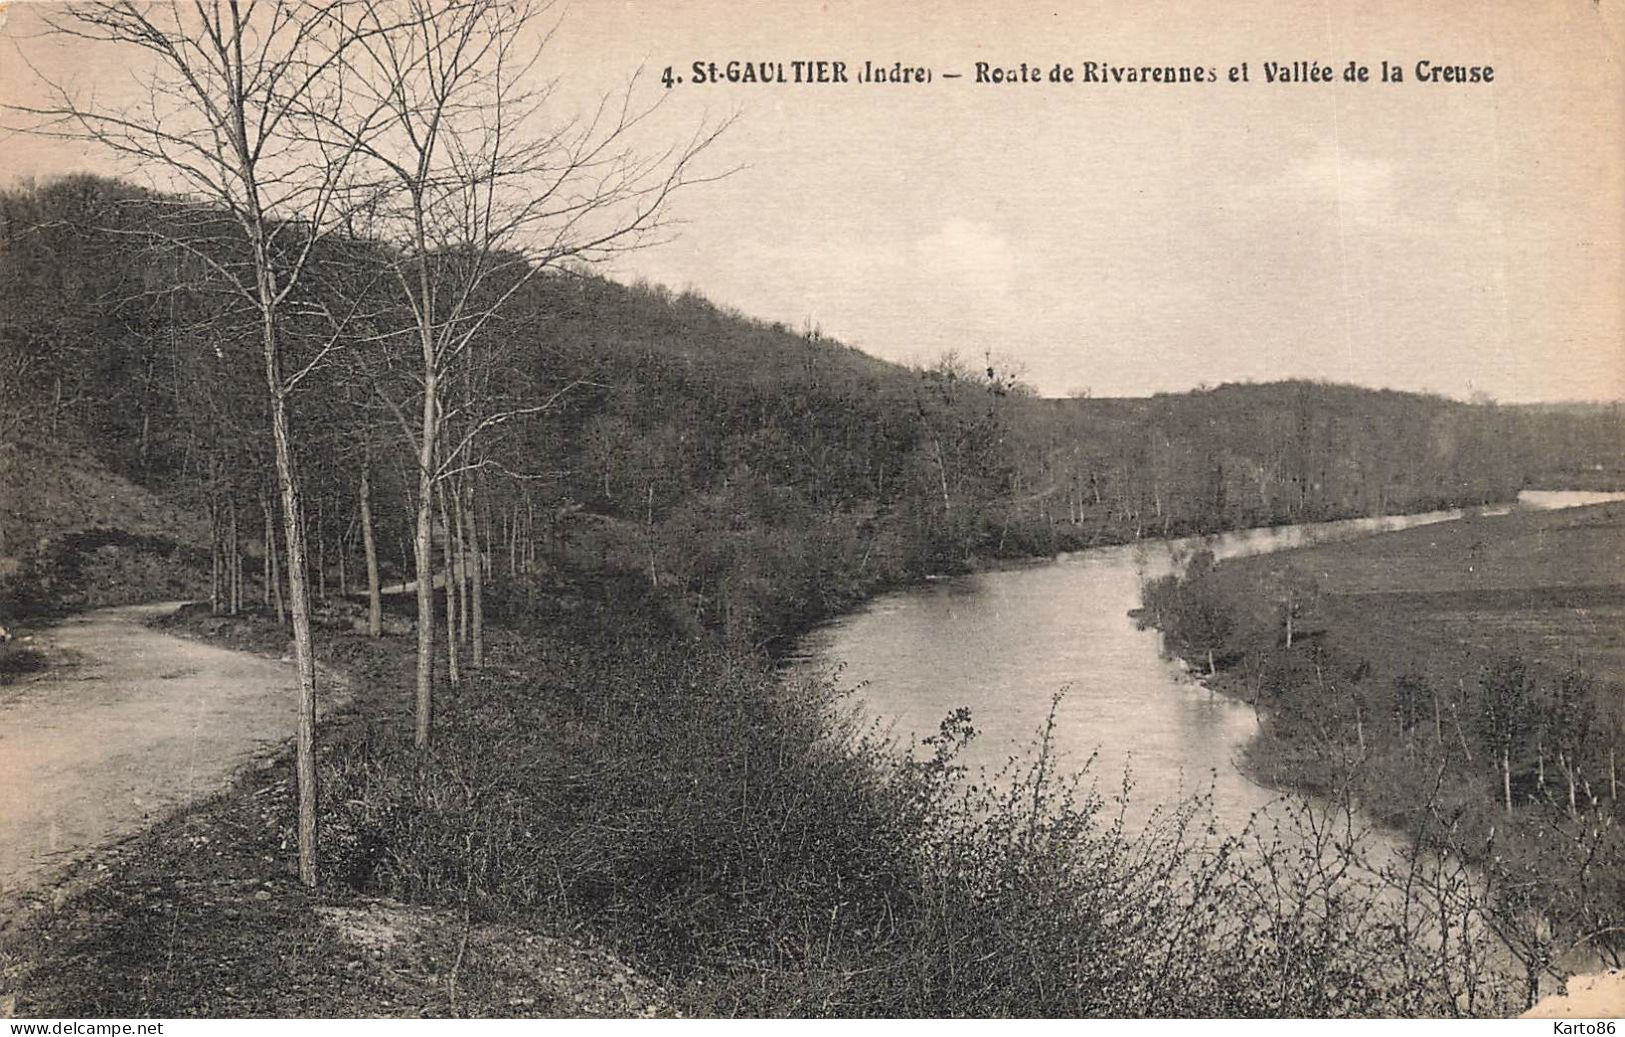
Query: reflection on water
(1547,500)
(1003,643)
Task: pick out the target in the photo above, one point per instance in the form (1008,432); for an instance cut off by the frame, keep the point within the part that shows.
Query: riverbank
(617,786)
(606,787)
(1460,681)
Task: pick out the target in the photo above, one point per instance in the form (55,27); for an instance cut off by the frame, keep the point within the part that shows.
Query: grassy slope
(202,916)
(48,487)
(74,534)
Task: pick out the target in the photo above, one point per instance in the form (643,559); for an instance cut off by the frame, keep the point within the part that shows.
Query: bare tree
(474,189)
(375,608)
(229,121)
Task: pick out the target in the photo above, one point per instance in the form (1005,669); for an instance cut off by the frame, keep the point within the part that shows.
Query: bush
(744,838)
(91,568)
(19,660)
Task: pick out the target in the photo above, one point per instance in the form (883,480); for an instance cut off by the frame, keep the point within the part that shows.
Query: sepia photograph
(630,510)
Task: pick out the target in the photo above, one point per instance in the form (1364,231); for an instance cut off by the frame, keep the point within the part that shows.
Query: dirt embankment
(1599,996)
(74,535)
(128,888)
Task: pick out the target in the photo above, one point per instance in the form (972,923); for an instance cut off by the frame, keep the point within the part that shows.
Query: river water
(1004,642)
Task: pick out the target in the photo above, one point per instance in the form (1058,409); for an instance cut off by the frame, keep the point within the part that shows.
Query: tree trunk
(234,560)
(477,580)
(214,557)
(268,559)
(321,554)
(275,577)
(528,558)
(298,591)
(422,555)
(1438,721)
(277,572)
(453,672)
(1568,772)
(458,535)
(513,542)
(533,539)
(375,600)
(487,534)
(146,418)
(344,575)
(1506,777)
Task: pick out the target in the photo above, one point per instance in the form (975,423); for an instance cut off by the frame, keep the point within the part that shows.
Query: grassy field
(1461,681)
(1548,584)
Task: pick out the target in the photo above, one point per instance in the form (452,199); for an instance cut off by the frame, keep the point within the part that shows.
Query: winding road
(141,723)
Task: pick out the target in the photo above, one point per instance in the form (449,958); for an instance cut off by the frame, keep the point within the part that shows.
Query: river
(1004,642)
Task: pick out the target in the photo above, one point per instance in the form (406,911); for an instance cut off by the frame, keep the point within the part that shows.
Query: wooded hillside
(757,477)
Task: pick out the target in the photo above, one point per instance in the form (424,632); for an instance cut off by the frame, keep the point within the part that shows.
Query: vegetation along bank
(1461,681)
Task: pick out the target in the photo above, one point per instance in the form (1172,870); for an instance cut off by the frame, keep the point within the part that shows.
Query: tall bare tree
(476,188)
(232,119)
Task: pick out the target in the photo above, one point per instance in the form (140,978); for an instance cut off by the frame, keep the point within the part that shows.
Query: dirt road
(144,722)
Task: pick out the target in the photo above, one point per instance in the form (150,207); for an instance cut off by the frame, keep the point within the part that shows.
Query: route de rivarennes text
(815,72)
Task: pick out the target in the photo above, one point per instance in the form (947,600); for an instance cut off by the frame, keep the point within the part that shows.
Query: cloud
(968,256)
(1357,189)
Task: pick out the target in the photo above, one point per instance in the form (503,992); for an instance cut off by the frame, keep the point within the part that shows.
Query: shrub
(748,840)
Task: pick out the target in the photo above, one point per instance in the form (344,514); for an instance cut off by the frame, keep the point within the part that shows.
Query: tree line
(382,172)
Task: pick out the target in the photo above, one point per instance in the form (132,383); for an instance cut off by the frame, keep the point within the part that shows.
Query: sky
(1127,238)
